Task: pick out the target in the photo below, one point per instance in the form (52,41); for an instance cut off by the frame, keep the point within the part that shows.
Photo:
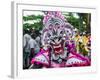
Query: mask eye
(52,39)
(59,38)
(61,32)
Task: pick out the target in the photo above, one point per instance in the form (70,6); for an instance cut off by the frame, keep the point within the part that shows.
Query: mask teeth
(57,46)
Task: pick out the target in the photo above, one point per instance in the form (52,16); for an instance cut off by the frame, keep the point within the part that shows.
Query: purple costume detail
(58,32)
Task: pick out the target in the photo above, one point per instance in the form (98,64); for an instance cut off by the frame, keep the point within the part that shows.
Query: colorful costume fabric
(61,51)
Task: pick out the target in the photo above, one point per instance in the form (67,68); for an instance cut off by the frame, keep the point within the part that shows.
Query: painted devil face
(56,31)
(57,45)
(54,37)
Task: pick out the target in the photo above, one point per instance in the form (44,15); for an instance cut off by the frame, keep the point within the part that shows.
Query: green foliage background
(82,23)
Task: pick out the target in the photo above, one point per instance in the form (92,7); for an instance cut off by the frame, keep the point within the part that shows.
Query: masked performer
(59,46)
